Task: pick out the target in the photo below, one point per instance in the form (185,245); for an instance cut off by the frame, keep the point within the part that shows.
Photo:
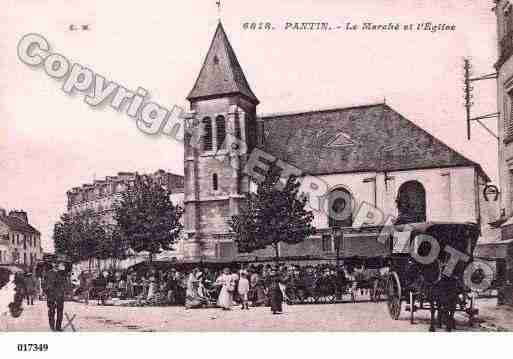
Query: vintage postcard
(255,166)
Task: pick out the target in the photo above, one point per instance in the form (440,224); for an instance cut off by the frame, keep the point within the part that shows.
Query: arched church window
(207,134)
(340,210)
(215,183)
(411,203)
(220,132)
(237,128)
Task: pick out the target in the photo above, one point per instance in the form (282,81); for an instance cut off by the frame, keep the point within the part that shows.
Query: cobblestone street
(363,316)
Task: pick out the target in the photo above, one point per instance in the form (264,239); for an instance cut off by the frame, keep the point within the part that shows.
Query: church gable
(357,139)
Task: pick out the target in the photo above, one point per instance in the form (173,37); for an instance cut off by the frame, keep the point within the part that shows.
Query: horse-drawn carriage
(427,270)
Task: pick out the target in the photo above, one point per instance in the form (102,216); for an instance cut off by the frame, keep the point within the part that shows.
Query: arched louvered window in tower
(207,134)
(237,128)
(220,132)
(215,183)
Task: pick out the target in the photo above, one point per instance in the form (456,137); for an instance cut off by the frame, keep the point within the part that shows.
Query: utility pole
(468,99)
(468,95)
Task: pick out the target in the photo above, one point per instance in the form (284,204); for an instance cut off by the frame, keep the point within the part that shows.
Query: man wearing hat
(55,286)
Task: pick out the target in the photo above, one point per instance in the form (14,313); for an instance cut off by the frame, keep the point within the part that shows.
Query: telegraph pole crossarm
(485,77)
(485,127)
(490,115)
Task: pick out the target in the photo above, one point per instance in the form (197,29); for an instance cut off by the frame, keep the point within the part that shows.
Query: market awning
(363,245)
(493,250)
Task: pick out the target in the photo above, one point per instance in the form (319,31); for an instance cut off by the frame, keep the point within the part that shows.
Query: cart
(411,282)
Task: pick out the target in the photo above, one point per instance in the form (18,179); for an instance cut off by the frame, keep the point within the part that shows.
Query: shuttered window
(509,117)
(508,19)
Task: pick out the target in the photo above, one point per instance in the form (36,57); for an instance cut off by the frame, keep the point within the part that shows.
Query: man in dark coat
(276,295)
(30,288)
(55,286)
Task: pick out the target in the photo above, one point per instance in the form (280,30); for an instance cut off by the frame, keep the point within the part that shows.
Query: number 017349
(32,347)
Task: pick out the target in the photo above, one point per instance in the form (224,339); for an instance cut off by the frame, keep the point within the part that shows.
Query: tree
(82,237)
(147,218)
(63,235)
(275,213)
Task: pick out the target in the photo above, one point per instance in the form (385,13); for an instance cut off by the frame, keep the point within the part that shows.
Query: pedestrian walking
(225,299)
(86,282)
(101,288)
(276,295)
(55,287)
(30,288)
(243,289)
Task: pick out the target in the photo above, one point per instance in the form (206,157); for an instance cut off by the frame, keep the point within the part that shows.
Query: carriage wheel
(394,296)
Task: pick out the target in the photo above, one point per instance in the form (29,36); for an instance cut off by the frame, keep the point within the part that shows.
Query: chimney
(20,215)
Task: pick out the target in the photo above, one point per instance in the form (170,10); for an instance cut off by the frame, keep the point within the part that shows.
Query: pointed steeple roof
(221,73)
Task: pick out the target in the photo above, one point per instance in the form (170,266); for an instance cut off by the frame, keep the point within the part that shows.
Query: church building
(365,154)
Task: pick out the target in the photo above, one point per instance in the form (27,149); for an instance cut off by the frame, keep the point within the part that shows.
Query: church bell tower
(225,132)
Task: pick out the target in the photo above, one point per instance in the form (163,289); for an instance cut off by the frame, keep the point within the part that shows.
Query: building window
(207,134)
(510,172)
(326,243)
(220,132)
(340,208)
(25,258)
(226,250)
(215,183)
(508,119)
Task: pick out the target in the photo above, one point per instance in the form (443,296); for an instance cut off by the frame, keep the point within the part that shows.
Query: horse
(441,292)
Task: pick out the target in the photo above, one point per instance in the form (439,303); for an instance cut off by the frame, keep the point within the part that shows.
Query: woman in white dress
(225,299)
(7,296)
(193,299)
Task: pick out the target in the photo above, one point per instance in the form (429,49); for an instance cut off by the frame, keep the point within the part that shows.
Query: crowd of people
(252,285)
(29,286)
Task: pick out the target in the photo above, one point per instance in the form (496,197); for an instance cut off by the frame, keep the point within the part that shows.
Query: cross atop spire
(218,3)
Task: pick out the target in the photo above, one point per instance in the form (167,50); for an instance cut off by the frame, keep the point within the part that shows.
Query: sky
(51,141)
